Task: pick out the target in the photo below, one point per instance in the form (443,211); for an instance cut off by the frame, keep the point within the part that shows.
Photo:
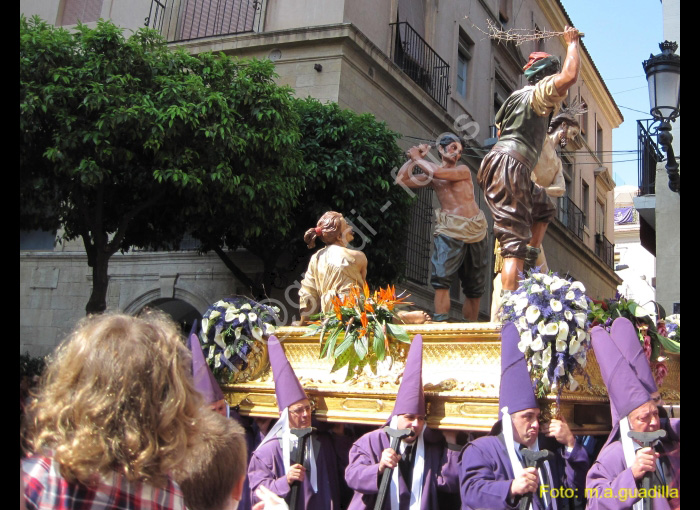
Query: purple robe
(267,468)
(441,471)
(612,480)
(486,473)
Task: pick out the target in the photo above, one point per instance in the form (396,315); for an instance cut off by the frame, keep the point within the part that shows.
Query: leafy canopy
(119,138)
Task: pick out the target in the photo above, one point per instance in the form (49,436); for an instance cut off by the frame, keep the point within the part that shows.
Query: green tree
(347,167)
(122,139)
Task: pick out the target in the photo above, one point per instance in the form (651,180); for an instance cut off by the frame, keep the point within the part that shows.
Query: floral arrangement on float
(230,328)
(656,336)
(551,314)
(359,329)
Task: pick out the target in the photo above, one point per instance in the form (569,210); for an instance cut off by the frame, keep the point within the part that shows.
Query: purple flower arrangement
(550,313)
(230,328)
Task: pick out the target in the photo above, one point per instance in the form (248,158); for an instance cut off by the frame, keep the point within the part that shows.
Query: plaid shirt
(45,488)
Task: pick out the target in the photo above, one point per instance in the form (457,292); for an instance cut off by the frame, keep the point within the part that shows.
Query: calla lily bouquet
(359,328)
(230,328)
(551,316)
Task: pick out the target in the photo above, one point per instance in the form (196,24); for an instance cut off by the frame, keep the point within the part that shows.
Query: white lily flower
(228,351)
(205,326)
(582,303)
(541,327)
(525,340)
(547,280)
(230,315)
(536,288)
(579,286)
(217,361)
(555,304)
(276,309)
(522,323)
(252,317)
(520,304)
(581,335)
(545,381)
(573,383)
(242,318)
(269,329)
(220,303)
(563,331)
(214,314)
(538,276)
(537,359)
(257,333)
(219,340)
(537,344)
(547,356)
(570,296)
(237,332)
(574,347)
(558,284)
(211,352)
(581,358)
(568,315)
(580,318)
(561,345)
(532,314)
(246,306)
(551,329)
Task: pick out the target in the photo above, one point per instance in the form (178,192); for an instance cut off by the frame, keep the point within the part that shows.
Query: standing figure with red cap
(423,464)
(521,209)
(320,473)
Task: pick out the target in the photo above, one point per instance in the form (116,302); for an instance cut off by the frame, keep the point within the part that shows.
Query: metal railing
(648,155)
(420,62)
(418,237)
(184,20)
(571,216)
(605,250)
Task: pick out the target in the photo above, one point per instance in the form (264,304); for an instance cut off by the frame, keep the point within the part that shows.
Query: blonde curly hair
(118,396)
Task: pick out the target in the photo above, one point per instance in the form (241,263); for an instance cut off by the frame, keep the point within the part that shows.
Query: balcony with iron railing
(605,250)
(184,20)
(420,62)
(648,155)
(571,216)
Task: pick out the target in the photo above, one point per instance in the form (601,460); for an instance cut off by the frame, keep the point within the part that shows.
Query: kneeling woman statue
(335,269)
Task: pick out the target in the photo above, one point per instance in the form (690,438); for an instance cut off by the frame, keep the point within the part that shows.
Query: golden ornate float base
(461,373)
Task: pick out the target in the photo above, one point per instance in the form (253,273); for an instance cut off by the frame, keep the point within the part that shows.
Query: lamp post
(664,79)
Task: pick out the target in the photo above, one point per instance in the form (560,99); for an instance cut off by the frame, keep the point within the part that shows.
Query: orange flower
(365,288)
(368,306)
(363,319)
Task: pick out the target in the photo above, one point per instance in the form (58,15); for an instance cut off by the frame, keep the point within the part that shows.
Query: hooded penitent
(624,335)
(204,380)
(410,399)
(516,391)
(288,391)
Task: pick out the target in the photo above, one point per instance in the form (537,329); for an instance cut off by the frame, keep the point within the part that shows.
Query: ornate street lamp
(664,79)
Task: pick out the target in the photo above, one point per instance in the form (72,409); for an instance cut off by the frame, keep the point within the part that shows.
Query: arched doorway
(181,311)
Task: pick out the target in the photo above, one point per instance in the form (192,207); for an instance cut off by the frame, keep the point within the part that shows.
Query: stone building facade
(422,66)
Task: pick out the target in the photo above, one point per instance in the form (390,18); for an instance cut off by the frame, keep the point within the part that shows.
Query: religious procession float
(350,360)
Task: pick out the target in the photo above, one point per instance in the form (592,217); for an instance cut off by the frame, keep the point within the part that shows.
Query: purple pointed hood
(625,390)
(516,387)
(410,398)
(624,335)
(204,380)
(288,389)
